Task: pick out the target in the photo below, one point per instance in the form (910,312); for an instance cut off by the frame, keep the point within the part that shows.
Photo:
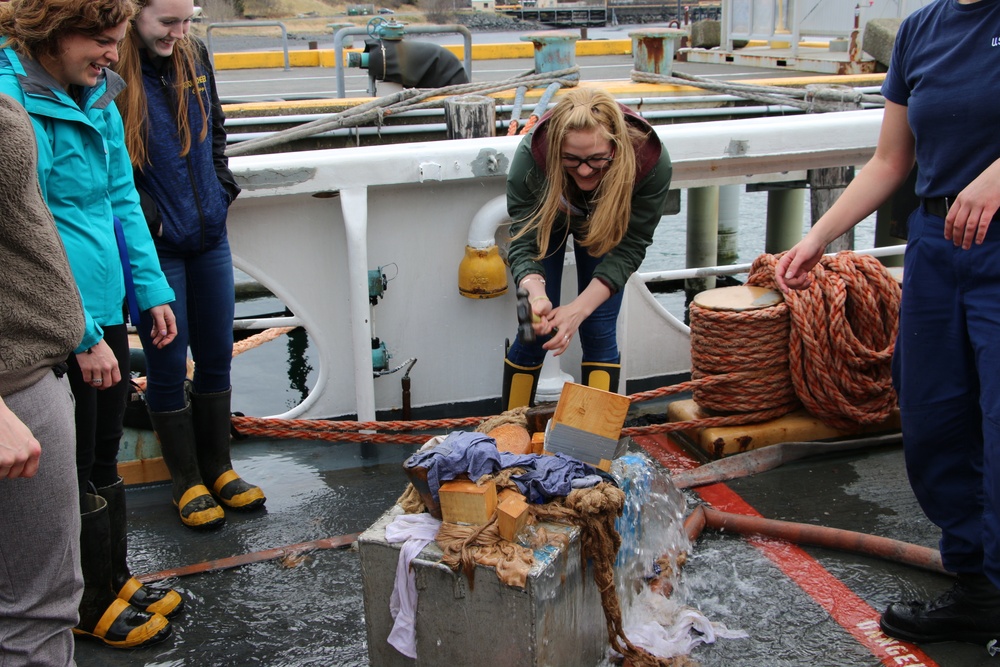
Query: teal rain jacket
(86,179)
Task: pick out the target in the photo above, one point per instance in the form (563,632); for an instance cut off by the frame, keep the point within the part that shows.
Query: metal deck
(800,606)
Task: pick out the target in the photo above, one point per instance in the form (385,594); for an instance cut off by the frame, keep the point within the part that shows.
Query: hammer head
(525,333)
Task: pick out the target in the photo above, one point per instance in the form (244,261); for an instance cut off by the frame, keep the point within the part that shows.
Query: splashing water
(647,569)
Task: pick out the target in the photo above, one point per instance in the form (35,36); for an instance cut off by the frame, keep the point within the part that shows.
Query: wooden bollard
(470,117)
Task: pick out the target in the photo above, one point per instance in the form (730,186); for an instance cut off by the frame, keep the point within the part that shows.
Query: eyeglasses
(595,163)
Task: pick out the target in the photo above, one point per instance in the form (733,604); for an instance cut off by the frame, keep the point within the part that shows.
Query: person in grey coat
(41,322)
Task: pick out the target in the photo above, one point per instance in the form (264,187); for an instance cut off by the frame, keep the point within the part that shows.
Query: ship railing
(311,225)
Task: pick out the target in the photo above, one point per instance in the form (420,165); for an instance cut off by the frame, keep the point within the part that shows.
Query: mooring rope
(842,336)
(794,97)
(259,339)
(832,343)
(405,100)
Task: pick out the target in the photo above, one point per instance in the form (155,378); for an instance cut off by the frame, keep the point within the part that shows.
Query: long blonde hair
(588,110)
(33,28)
(132,101)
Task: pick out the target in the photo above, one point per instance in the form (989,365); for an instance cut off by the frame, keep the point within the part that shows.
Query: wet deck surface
(310,612)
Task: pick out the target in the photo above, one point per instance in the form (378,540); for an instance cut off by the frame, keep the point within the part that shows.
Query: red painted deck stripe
(844,606)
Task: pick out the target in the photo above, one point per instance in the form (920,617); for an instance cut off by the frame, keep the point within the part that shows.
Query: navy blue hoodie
(185,199)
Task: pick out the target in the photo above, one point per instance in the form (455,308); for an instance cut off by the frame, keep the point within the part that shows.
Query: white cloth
(416,531)
(664,627)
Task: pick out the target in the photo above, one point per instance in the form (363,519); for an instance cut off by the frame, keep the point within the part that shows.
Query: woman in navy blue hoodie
(175,137)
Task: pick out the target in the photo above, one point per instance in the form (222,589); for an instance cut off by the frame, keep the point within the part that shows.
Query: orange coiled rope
(749,348)
(841,339)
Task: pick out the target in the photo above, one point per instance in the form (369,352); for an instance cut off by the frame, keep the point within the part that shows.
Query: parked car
(386,10)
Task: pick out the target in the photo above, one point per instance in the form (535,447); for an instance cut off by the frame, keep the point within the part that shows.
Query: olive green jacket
(526,186)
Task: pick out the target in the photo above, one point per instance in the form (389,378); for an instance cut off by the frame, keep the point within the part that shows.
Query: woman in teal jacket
(54,63)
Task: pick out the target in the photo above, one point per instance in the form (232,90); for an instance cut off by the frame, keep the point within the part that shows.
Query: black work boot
(197,507)
(969,612)
(151,598)
(519,385)
(103,615)
(601,375)
(212,424)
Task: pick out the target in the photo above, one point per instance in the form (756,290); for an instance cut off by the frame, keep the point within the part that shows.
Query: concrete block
(879,36)
(557,620)
(706,34)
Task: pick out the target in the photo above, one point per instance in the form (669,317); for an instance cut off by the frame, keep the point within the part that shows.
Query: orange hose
(695,523)
(831,538)
(254,557)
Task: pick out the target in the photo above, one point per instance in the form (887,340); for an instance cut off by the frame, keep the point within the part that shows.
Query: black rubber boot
(600,375)
(967,612)
(519,385)
(212,424)
(103,615)
(151,598)
(175,431)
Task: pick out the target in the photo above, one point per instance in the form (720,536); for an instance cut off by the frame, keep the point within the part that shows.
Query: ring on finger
(97,381)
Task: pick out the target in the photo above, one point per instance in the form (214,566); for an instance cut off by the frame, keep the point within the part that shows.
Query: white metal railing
(309,225)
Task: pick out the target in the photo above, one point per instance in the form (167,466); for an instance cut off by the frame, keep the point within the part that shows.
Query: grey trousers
(40,579)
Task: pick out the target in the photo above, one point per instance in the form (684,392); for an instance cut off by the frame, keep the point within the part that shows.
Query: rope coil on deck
(750,349)
(842,336)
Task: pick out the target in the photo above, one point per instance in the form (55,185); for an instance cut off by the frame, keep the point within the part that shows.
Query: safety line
(844,606)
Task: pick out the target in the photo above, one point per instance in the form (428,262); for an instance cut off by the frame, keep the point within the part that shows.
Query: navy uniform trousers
(946,370)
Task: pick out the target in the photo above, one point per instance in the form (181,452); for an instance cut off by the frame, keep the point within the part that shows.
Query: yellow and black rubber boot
(601,375)
(212,424)
(103,615)
(163,600)
(195,504)
(519,385)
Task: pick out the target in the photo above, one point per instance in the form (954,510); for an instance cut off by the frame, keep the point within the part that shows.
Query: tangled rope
(843,332)
(411,99)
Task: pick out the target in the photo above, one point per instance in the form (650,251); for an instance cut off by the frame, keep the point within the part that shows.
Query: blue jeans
(598,333)
(204,310)
(946,370)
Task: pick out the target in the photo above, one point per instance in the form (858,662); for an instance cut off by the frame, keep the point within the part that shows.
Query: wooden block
(592,410)
(463,501)
(418,478)
(512,514)
(504,494)
(511,438)
(538,417)
(720,441)
(538,443)
(144,471)
(587,424)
